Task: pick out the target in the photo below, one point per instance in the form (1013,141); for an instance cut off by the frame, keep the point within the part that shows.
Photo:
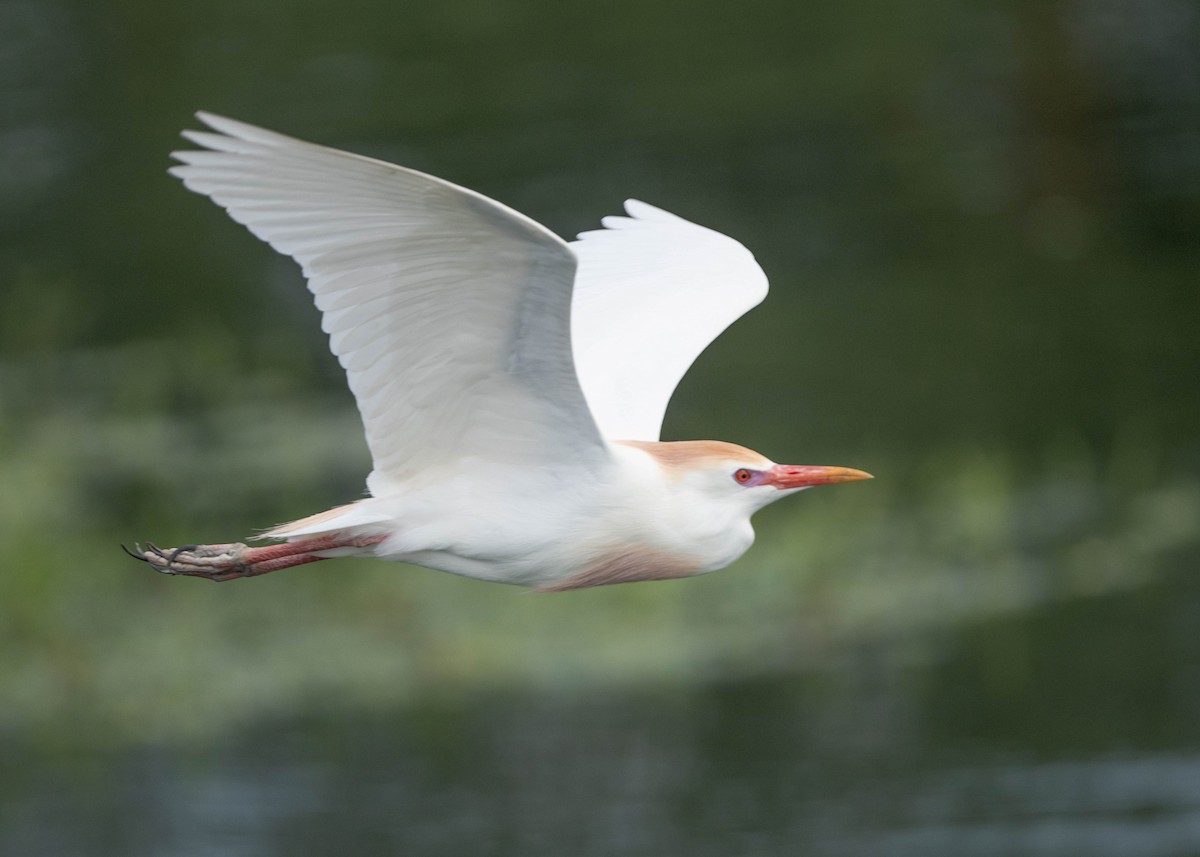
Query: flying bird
(512,385)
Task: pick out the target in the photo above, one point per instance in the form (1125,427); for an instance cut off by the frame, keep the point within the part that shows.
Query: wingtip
(632,206)
(210,120)
(645,211)
(206,119)
(192,137)
(243,131)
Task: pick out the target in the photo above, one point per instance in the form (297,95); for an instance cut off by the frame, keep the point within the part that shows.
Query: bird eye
(743,476)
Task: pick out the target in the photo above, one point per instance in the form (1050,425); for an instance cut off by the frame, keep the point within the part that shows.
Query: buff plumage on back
(652,291)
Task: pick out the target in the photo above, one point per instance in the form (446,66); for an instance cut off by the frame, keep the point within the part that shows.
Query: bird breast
(627,565)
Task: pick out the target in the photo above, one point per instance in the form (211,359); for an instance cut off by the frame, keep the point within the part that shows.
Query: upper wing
(652,291)
(449,311)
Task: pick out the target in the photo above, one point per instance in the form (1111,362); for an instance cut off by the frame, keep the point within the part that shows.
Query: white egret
(512,385)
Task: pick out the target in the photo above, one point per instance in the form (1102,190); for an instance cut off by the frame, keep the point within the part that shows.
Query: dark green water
(1064,731)
(982,227)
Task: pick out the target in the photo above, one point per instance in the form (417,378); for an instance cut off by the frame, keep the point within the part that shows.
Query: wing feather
(652,291)
(449,311)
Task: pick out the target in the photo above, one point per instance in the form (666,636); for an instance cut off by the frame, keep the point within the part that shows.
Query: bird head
(727,472)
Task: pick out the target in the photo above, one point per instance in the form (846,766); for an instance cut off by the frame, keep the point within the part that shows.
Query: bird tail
(339,518)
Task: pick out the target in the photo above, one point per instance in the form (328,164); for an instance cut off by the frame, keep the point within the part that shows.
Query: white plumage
(512,386)
(652,291)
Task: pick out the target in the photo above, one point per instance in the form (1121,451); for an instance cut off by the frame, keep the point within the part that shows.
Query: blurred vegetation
(982,227)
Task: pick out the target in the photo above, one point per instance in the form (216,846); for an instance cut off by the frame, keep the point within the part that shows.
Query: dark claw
(185,549)
(151,548)
(134,555)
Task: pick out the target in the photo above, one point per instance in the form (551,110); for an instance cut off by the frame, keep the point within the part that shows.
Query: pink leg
(228,562)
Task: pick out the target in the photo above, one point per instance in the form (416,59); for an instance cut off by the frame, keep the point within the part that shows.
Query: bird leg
(229,562)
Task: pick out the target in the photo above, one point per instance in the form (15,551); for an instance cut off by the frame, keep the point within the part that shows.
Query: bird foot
(213,562)
(229,562)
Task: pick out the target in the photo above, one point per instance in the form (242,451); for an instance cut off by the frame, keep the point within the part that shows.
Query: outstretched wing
(652,291)
(449,311)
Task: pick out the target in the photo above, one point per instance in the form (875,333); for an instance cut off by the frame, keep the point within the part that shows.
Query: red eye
(743,476)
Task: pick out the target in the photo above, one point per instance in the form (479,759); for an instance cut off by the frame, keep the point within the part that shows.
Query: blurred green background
(982,227)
